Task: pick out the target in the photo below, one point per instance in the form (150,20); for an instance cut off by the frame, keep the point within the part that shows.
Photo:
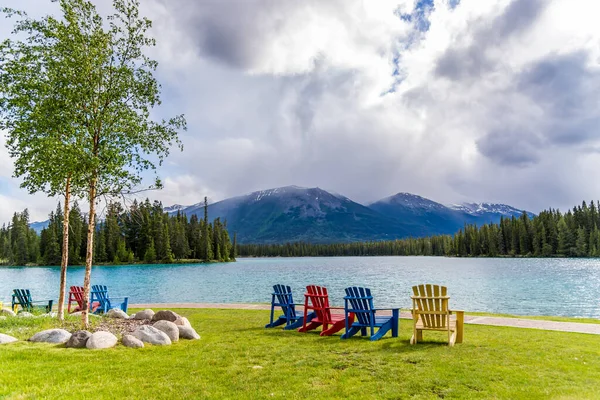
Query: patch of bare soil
(119,326)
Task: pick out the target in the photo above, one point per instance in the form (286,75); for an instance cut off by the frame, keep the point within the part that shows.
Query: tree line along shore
(143,233)
(549,234)
(146,234)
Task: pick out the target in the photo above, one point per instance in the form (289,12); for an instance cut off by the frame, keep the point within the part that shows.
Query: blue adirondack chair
(22,297)
(100,294)
(359,301)
(282,297)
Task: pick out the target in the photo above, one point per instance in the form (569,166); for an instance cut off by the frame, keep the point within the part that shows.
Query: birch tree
(112,93)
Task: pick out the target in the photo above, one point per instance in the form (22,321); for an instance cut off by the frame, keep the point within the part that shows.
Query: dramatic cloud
(472,100)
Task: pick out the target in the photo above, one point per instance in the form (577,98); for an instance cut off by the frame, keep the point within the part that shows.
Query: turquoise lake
(562,287)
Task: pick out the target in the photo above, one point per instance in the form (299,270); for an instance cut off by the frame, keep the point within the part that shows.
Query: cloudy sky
(455,100)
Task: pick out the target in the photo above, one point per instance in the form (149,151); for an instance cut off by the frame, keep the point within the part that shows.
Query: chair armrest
(387,309)
(456,311)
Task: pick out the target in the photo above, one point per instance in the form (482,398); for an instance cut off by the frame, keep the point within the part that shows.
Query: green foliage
(125,236)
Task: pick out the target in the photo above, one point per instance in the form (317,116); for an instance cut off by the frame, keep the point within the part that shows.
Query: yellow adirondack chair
(431,313)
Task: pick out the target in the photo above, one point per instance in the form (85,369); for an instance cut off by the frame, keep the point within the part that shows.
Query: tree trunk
(65,252)
(89,254)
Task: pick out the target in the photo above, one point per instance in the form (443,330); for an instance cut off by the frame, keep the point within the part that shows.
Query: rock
(182,321)
(50,315)
(169,328)
(146,314)
(101,340)
(165,315)
(7,311)
(79,339)
(78,314)
(7,339)
(150,334)
(132,316)
(132,341)
(51,336)
(25,314)
(187,332)
(117,313)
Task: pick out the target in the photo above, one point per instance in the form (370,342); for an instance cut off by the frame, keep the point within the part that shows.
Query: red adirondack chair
(317,299)
(76,296)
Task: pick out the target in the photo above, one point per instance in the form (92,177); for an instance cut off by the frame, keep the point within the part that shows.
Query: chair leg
(309,327)
(335,327)
(351,332)
(460,323)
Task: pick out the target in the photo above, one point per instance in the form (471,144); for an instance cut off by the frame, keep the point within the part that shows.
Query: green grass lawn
(238,359)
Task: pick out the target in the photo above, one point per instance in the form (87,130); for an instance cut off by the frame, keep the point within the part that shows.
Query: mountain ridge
(293,213)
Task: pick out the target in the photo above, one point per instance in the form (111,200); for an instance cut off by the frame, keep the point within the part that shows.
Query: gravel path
(576,327)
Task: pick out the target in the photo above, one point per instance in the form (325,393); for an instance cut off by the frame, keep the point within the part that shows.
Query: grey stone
(169,328)
(25,314)
(8,312)
(146,314)
(117,313)
(132,341)
(187,332)
(78,314)
(50,315)
(149,334)
(51,336)
(101,340)
(165,315)
(7,339)
(79,339)
(182,321)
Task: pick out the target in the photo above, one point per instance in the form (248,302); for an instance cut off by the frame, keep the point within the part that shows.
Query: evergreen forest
(549,234)
(142,233)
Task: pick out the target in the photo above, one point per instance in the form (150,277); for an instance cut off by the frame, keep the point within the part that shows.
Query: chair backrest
(319,301)
(100,291)
(76,293)
(360,302)
(23,297)
(283,295)
(431,302)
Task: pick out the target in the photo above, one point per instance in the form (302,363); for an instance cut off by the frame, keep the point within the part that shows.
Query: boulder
(7,339)
(117,313)
(78,314)
(25,314)
(169,328)
(150,334)
(7,311)
(182,321)
(165,315)
(132,341)
(78,339)
(101,340)
(51,336)
(187,332)
(146,314)
(50,315)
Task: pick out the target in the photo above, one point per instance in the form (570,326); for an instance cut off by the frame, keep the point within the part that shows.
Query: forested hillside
(142,233)
(549,234)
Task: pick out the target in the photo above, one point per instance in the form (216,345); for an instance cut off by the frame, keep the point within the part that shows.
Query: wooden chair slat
(431,312)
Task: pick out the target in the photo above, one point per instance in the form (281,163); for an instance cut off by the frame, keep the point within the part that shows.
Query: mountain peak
(411,201)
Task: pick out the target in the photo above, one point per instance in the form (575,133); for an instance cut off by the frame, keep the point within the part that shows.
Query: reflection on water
(515,286)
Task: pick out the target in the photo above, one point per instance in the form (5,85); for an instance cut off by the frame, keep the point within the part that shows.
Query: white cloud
(496,101)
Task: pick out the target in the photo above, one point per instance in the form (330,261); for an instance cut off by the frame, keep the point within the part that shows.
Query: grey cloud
(510,147)
(471,61)
(568,93)
(563,91)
